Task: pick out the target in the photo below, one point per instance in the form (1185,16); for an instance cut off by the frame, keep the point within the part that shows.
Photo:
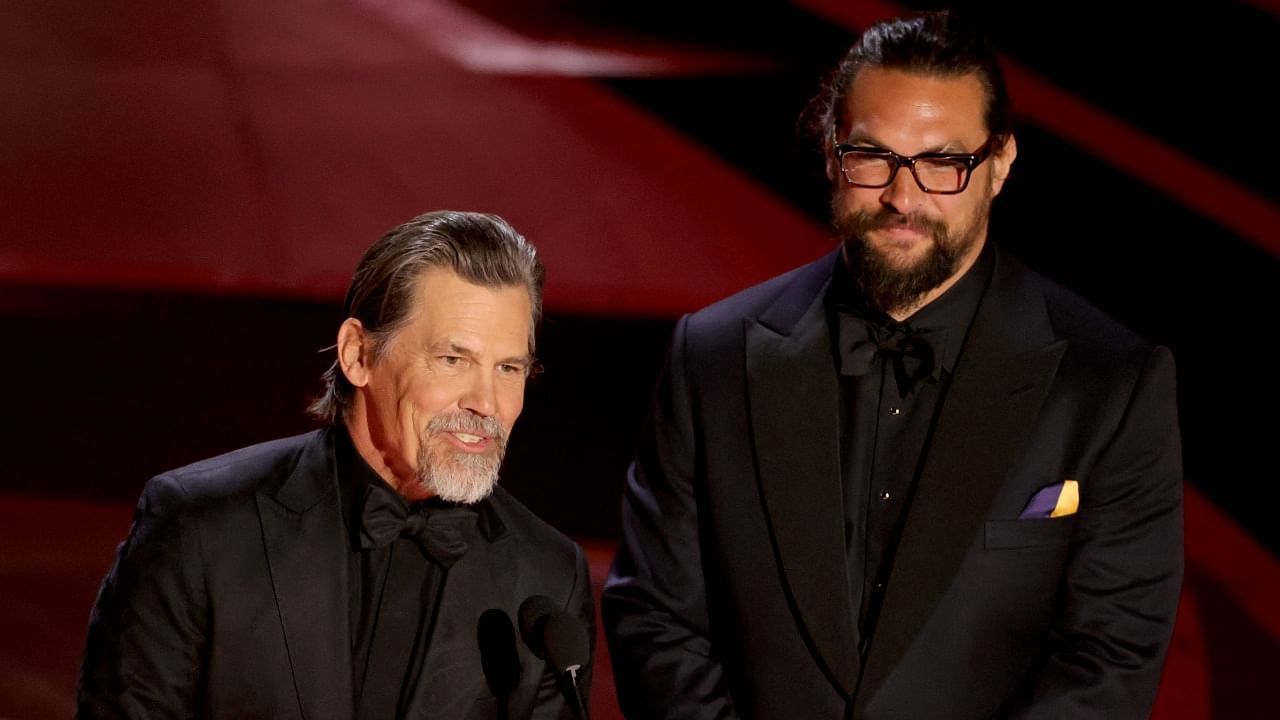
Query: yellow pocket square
(1057,500)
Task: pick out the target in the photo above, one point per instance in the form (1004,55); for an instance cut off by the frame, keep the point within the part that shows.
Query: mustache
(465,422)
(866,221)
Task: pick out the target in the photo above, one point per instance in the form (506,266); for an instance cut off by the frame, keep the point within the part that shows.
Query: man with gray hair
(369,569)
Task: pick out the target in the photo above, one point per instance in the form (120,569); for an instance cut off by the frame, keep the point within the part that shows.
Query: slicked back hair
(939,44)
(481,248)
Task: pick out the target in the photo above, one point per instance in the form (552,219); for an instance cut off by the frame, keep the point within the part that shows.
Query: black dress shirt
(885,428)
(394,594)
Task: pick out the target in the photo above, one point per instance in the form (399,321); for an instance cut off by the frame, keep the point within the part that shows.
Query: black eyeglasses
(939,173)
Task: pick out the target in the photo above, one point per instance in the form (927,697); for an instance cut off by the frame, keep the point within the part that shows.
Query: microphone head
(498,657)
(533,615)
(567,644)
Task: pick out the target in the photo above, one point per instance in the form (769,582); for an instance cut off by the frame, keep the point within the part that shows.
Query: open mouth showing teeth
(468,438)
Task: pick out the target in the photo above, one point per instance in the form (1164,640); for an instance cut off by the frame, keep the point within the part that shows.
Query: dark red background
(185,188)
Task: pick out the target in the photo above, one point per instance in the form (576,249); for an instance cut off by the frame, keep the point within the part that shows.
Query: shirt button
(895,411)
(884,496)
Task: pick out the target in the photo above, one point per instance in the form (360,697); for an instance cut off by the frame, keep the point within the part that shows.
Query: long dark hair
(940,43)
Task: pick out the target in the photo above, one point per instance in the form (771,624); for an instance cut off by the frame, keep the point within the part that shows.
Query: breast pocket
(1029,533)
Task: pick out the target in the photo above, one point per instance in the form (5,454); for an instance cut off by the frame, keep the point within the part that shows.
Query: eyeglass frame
(970,160)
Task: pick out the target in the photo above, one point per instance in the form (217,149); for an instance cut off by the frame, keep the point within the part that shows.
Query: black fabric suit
(229,599)
(729,597)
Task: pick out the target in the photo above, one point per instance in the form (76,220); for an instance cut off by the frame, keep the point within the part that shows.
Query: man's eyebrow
(951,147)
(526,360)
(863,139)
(453,347)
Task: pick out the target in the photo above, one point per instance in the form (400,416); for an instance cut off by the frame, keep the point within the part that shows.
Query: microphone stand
(573,696)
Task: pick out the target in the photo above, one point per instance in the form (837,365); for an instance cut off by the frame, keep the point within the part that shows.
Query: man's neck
(380,461)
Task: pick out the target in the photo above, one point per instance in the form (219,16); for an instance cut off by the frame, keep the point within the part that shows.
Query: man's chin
(467,495)
(464,477)
(903,261)
(899,241)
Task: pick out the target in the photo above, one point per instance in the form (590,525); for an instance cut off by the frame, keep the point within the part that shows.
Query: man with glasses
(913,479)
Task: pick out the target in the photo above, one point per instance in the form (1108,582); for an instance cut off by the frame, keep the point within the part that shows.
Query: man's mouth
(468,442)
(467,434)
(901,232)
(901,227)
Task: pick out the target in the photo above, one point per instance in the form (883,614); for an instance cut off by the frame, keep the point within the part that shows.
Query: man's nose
(902,194)
(481,395)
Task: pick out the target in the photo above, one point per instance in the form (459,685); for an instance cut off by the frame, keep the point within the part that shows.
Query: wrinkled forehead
(445,301)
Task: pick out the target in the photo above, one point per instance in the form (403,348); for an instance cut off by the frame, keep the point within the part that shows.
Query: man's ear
(1002,163)
(354,352)
(828,150)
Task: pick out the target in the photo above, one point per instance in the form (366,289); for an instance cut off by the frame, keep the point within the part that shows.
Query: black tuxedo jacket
(729,598)
(229,599)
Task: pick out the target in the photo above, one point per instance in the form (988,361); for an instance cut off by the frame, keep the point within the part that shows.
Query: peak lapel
(306,552)
(793,396)
(1003,377)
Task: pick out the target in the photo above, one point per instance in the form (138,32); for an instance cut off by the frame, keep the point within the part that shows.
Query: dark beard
(888,288)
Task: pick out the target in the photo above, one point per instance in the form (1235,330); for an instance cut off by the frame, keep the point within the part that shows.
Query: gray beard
(454,475)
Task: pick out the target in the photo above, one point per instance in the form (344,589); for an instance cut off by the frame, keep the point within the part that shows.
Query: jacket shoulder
(242,471)
(1088,328)
(798,286)
(1100,350)
(537,534)
(778,301)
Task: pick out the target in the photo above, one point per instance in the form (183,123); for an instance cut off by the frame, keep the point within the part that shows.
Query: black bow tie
(863,346)
(441,531)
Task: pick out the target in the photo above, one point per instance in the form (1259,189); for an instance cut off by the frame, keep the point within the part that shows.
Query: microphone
(533,615)
(497,639)
(554,635)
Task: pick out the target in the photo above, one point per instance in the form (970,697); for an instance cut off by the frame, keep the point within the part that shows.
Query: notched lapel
(306,552)
(793,396)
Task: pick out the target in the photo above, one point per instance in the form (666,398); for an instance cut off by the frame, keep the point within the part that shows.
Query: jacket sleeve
(1125,573)
(147,630)
(655,601)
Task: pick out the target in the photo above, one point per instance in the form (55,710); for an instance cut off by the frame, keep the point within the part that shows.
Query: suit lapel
(306,552)
(1002,379)
(451,679)
(793,396)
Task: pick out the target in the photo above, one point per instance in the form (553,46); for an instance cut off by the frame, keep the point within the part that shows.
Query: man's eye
(511,369)
(450,359)
(941,164)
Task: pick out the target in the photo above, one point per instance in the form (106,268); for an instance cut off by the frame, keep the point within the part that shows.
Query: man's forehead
(449,308)
(876,92)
